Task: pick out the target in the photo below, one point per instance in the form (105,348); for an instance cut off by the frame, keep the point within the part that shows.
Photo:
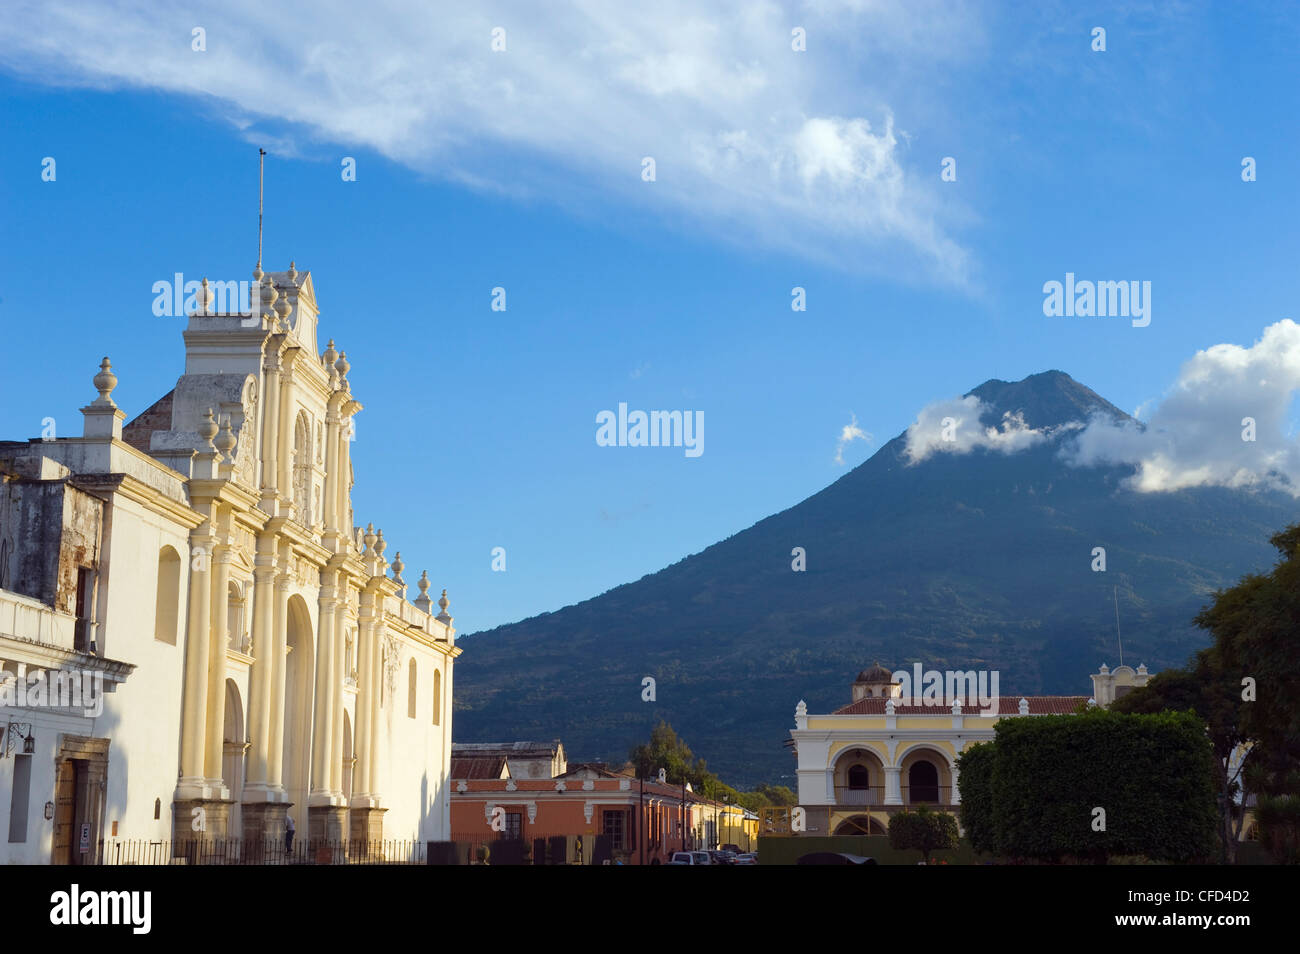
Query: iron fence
(235,851)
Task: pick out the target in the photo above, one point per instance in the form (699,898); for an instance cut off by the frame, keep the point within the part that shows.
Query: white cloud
(752,141)
(1193,437)
(848,433)
(953,426)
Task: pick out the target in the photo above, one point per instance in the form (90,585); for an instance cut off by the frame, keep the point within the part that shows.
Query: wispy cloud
(848,433)
(752,141)
(953,426)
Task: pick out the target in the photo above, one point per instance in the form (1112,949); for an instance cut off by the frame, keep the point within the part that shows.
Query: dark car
(834,858)
(722,857)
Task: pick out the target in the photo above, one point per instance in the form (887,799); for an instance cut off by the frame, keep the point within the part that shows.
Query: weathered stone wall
(48,530)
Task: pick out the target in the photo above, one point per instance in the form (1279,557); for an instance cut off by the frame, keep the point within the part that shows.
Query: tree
(976,785)
(1254,625)
(923,830)
(1214,696)
(1102,783)
(1246,689)
(666,751)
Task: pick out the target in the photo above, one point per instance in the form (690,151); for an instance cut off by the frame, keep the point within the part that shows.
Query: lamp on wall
(19,730)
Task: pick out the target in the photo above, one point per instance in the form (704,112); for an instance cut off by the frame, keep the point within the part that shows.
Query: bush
(1152,777)
(923,830)
(1279,827)
(975,782)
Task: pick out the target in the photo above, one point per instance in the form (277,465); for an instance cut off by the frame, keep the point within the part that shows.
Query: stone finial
(1104,670)
(104,383)
(1142,669)
(443,604)
(282,309)
(292,273)
(370,537)
(801,709)
(208,428)
(226,440)
(398,567)
(269,294)
(330,355)
(1023,707)
(423,584)
(956,706)
(380,545)
(342,364)
(205,300)
(889,706)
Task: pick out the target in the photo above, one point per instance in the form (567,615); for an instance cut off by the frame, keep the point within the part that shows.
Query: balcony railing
(927,795)
(874,795)
(871,795)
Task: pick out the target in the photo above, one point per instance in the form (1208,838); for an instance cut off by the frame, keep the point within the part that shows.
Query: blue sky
(522,169)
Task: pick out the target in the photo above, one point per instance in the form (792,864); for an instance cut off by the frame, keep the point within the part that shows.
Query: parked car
(734,849)
(691,858)
(722,857)
(747,858)
(834,858)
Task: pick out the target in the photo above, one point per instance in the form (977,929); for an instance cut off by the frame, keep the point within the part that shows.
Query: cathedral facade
(197,638)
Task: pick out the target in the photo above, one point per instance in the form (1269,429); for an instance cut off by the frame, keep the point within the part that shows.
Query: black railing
(235,851)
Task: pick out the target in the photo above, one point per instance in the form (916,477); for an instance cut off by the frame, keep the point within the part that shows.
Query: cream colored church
(197,636)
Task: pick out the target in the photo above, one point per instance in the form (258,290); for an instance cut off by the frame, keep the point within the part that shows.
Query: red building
(646,821)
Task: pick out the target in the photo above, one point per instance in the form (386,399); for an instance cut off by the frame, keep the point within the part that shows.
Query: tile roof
(478,767)
(1007,705)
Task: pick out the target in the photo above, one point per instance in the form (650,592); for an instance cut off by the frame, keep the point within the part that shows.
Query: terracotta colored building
(646,820)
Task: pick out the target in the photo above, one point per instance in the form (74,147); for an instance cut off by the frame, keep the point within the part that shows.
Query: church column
(376,675)
(270,429)
(284,443)
(196,661)
(893,791)
(323,716)
(345,475)
(336,687)
(330,502)
(219,634)
(259,709)
(279,662)
(365,694)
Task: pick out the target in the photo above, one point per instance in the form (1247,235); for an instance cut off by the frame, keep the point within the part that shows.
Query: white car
(691,858)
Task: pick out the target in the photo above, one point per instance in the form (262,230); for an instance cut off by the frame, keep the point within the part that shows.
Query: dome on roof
(875,674)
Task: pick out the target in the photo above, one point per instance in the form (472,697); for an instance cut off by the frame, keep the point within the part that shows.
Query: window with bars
(615,826)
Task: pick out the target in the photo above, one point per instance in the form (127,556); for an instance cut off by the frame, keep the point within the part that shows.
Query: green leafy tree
(1279,826)
(976,785)
(1215,697)
(1104,783)
(1245,687)
(1254,625)
(923,830)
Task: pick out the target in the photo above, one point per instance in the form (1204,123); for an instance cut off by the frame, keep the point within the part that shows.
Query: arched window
(923,781)
(859,777)
(410,698)
(235,617)
(437,696)
(302,468)
(167,605)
